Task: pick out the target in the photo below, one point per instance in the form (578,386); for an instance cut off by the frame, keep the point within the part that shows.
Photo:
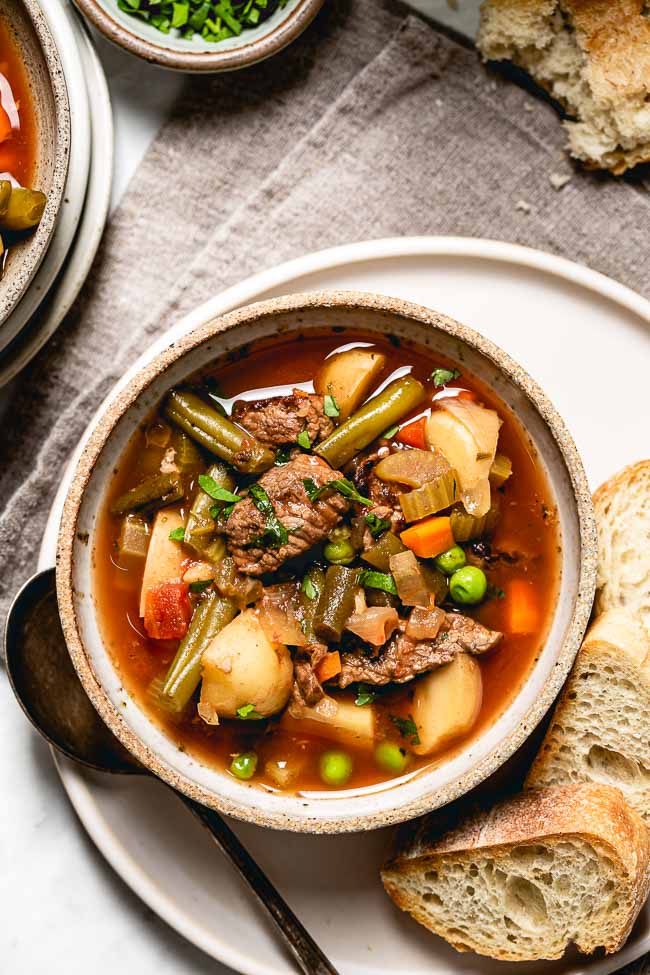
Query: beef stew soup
(327,562)
(21,208)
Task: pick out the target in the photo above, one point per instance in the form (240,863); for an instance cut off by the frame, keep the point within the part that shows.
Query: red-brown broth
(527,515)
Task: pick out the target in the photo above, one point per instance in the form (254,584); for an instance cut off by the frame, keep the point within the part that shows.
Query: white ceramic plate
(81,249)
(586,339)
(58,16)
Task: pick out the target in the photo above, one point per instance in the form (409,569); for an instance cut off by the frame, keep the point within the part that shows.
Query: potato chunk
(447,703)
(164,556)
(348,377)
(242,666)
(332,718)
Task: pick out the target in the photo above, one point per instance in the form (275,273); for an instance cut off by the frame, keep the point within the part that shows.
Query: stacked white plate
(85,200)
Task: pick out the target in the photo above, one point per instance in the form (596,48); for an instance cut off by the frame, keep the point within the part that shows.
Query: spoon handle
(309,956)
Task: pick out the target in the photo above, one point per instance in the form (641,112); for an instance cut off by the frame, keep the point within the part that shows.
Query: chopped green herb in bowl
(214,21)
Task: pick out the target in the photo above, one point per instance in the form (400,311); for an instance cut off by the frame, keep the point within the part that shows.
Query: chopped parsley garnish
(177,535)
(309,589)
(275,534)
(443,376)
(222,514)
(341,484)
(330,406)
(215,491)
(390,433)
(247,712)
(406,727)
(213,20)
(200,585)
(348,490)
(376,524)
(282,457)
(370,579)
(303,440)
(365,695)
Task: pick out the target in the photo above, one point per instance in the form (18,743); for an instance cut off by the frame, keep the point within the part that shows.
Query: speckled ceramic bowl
(414,793)
(29,30)
(196,54)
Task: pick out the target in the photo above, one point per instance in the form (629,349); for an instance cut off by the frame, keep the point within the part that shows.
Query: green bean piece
(5,193)
(201,530)
(157,491)
(182,679)
(24,209)
(378,555)
(336,603)
(381,412)
(187,457)
(310,592)
(217,433)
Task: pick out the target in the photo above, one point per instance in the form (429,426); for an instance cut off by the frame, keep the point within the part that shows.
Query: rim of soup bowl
(387,804)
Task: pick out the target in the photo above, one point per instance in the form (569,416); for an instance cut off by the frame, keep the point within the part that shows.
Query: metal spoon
(47,688)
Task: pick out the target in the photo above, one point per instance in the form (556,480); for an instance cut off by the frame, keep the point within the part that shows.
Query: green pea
(451,560)
(244,766)
(391,758)
(468,585)
(339,553)
(335,768)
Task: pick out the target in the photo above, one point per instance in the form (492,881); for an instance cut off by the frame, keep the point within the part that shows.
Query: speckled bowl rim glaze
(40,240)
(586,561)
(226,59)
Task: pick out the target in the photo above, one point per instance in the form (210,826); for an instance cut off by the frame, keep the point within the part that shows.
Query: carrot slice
(468,394)
(167,611)
(429,537)
(412,435)
(329,666)
(521,608)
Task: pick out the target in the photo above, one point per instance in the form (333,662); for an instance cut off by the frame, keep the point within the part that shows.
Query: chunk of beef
(306,522)
(403,658)
(280,419)
(307,688)
(385,496)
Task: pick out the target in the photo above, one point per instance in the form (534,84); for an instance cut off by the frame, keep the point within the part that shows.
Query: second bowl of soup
(327,561)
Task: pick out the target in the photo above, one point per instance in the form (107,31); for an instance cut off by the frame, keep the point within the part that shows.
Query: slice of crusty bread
(542,870)
(623,514)
(600,730)
(593,56)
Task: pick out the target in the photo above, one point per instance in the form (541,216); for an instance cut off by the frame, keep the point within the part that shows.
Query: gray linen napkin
(371,125)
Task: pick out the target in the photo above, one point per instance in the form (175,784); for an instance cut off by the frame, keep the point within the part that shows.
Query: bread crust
(611,501)
(613,41)
(590,812)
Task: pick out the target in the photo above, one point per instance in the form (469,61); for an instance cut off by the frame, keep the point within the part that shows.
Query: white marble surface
(63,909)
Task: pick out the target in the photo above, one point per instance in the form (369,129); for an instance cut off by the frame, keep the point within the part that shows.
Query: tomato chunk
(167,611)
(412,435)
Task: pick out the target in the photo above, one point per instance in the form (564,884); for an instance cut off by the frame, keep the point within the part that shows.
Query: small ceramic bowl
(31,34)
(412,794)
(196,54)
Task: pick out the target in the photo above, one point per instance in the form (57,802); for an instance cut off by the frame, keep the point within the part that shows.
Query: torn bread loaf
(600,730)
(542,870)
(623,514)
(593,56)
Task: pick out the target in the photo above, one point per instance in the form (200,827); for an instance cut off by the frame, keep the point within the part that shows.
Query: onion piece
(374,625)
(8,103)
(280,617)
(411,587)
(424,624)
